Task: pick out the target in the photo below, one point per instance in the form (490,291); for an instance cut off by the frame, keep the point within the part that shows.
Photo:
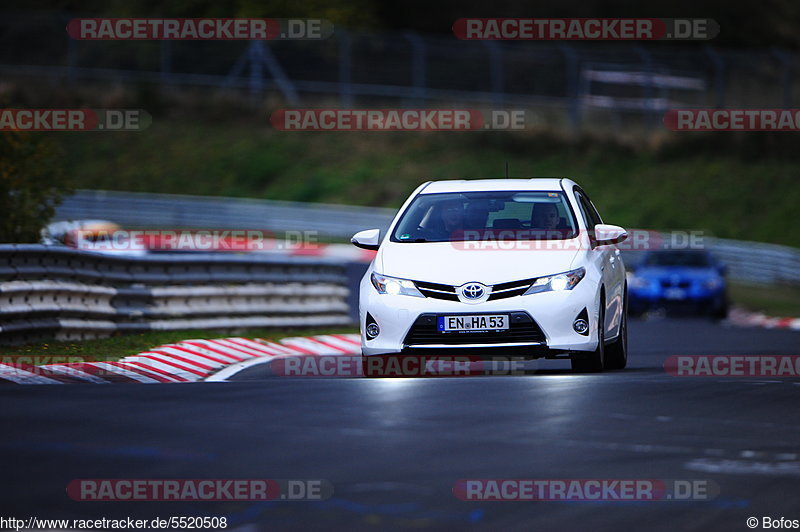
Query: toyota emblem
(473,291)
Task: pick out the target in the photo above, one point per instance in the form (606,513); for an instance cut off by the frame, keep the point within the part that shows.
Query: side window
(587,209)
(584,212)
(592,210)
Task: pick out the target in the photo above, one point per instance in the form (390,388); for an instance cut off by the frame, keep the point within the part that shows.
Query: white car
(496,267)
(99,236)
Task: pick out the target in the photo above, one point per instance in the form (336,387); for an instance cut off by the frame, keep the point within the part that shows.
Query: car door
(610,264)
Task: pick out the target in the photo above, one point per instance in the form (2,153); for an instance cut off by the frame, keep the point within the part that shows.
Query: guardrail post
(417,67)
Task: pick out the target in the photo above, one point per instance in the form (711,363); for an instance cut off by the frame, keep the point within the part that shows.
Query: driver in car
(545,216)
(452,215)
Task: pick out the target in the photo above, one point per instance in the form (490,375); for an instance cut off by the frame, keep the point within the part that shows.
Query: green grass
(729,185)
(780,302)
(117,347)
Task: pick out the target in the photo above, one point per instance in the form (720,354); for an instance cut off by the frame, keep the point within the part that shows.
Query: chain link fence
(585,83)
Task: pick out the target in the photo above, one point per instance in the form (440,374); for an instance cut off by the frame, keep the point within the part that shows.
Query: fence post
(719,76)
(786,77)
(649,93)
(262,55)
(496,72)
(418,62)
(345,67)
(166,60)
(572,75)
(72,59)
(256,79)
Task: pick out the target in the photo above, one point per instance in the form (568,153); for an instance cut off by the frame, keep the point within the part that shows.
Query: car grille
(668,283)
(522,328)
(437,291)
(448,292)
(514,288)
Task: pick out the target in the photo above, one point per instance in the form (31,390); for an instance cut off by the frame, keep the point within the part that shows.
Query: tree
(32,183)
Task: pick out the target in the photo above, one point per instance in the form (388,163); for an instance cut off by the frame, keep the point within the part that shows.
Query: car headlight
(557,283)
(638,282)
(713,283)
(394,286)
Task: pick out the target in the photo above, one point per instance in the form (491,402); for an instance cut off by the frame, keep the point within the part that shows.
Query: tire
(720,311)
(617,351)
(593,362)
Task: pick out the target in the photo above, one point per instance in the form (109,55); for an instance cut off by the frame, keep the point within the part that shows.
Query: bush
(32,183)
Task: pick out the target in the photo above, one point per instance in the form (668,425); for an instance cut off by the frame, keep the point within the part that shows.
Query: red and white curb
(745,318)
(187,361)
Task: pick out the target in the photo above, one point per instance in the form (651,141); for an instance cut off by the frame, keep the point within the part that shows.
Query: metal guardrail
(172,211)
(759,263)
(750,262)
(50,291)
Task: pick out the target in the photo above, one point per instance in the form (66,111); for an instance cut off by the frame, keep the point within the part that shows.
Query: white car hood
(442,262)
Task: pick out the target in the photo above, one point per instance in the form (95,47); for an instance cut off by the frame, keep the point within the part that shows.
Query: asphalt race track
(393,448)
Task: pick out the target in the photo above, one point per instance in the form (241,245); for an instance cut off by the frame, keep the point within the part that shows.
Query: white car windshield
(503,215)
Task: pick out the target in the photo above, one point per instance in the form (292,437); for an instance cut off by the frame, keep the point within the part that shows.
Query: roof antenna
(506,169)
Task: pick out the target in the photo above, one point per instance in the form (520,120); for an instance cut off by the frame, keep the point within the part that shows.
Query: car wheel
(593,362)
(617,351)
(720,311)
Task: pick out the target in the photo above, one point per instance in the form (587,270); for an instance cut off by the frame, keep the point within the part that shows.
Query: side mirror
(369,239)
(605,234)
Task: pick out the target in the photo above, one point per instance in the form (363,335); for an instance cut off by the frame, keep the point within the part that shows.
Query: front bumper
(553,313)
(694,297)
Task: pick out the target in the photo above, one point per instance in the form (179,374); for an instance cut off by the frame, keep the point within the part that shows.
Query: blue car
(687,280)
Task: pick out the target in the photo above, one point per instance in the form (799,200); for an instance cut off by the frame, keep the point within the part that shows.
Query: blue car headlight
(638,282)
(557,283)
(712,283)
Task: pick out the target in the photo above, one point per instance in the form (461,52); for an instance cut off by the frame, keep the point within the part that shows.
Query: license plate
(675,293)
(473,323)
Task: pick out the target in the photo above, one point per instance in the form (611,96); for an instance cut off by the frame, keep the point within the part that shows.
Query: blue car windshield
(688,259)
(494,215)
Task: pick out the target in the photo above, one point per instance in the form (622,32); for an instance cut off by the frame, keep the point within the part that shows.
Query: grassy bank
(732,186)
(117,347)
(781,302)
